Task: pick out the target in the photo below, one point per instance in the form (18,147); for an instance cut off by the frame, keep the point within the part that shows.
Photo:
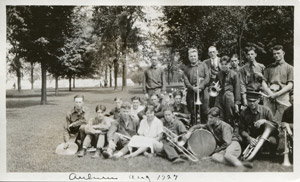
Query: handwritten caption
(131,177)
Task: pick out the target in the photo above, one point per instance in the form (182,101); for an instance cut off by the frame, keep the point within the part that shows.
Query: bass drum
(202,143)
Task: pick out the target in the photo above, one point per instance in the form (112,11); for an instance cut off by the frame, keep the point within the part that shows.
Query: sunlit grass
(34,131)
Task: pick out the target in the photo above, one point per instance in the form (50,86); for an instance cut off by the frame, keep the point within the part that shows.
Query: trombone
(124,137)
(171,136)
(197,102)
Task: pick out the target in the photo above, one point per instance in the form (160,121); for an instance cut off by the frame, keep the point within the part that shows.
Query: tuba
(250,152)
(214,89)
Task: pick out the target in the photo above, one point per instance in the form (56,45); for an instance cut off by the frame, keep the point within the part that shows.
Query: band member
(136,106)
(96,129)
(155,102)
(154,79)
(76,121)
(251,75)
(213,65)
(228,148)
(229,98)
(115,112)
(175,126)
(180,110)
(151,130)
(126,125)
(190,80)
(252,120)
(234,62)
(280,79)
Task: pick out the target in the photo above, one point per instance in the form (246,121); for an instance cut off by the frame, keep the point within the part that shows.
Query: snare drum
(202,143)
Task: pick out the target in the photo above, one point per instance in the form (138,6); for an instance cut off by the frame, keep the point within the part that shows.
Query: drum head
(71,150)
(202,143)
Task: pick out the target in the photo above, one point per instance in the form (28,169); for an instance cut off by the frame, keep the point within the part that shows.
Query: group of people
(236,105)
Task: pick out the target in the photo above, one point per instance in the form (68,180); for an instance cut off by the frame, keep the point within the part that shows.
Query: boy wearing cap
(190,81)
(252,120)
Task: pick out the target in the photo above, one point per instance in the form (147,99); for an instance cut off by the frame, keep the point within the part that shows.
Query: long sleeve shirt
(230,81)
(95,124)
(158,112)
(154,77)
(249,78)
(248,118)
(128,128)
(190,75)
(176,126)
(77,118)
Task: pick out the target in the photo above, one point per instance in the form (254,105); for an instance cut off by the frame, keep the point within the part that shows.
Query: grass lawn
(34,130)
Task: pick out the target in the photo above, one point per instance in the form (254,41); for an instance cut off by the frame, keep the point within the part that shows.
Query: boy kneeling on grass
(96,129)
(229,149)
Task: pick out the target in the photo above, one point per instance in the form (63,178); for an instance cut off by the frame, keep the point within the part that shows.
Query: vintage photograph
(124,88)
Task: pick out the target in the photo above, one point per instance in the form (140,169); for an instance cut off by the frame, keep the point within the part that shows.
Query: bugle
(250,152)
(173,139)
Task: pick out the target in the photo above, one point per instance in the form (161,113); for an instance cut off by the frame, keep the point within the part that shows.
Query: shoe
(81,153)
(178,161)
(97,154)
(247,164)
(107,154)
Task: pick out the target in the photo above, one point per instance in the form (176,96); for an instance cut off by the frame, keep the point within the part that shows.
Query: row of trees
(231,28)
(70,41)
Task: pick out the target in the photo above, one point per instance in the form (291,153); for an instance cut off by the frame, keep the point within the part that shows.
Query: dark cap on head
(251,95)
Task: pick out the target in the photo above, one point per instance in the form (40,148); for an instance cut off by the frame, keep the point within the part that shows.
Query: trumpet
(214,89)
(250,152)
(179,141)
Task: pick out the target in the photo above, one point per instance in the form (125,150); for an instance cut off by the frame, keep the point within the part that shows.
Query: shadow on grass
(24,103)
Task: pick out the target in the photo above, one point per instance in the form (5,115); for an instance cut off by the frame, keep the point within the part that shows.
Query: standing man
(190,81)
(251,75)
(235,63)
(76,121)
(229,98)
(280,79)
(213,65)
(154,79)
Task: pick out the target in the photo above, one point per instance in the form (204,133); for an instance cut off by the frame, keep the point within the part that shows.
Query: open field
(34,131)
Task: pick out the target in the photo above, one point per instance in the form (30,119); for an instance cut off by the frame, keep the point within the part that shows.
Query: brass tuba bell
(214,89)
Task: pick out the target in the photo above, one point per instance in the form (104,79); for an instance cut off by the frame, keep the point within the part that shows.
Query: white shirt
(135,112)
(153,130)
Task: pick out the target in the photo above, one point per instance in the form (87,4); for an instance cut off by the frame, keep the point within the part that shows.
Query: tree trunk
(70,83)
(168,77)
(44,86)
(19,79)
(116,66)
(110,76)
(56,85)
(105,76)
(31,75)
(124,76)
(74,82)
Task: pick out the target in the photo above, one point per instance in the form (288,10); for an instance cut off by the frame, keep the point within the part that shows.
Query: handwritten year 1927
(161,177)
